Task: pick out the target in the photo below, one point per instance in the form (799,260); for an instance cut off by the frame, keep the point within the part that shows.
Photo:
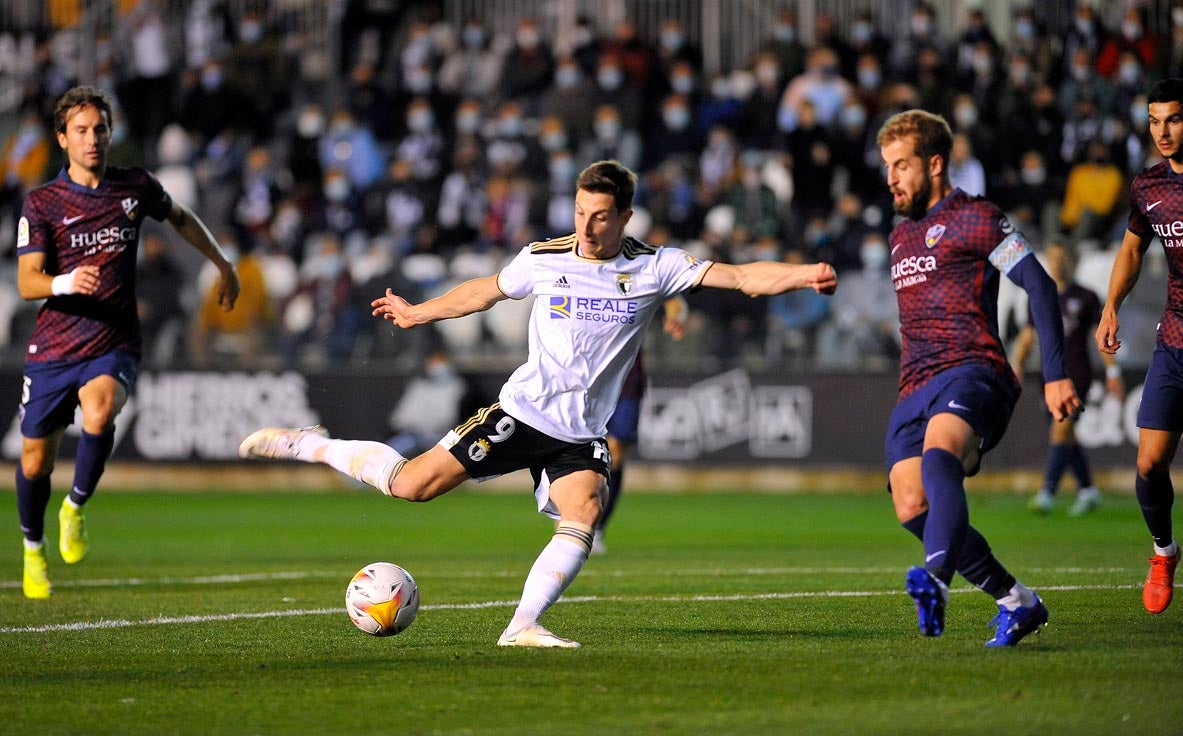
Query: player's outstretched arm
(33,283)
(1127,266)
(767,278)
(1061,399)
(192,229)
(472,296)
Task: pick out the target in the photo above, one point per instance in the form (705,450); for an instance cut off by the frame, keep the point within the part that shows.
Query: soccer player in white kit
(596,291)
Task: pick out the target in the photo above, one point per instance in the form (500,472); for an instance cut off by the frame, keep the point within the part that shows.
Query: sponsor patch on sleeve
(1009,252)
(22,233)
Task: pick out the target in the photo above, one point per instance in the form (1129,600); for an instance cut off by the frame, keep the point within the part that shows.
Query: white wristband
(1113,371)
(63,284)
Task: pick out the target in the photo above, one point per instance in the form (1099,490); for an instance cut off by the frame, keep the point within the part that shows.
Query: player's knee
(1151,467)
(36,464)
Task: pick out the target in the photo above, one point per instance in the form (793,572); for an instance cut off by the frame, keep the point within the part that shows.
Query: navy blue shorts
(624,421)
(1162,393)
(49,395)
(974,393)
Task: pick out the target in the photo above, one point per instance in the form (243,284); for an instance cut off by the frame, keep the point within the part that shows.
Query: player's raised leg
(577,498)
(1156,496)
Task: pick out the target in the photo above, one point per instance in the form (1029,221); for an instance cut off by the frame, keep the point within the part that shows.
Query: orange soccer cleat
(1156,592)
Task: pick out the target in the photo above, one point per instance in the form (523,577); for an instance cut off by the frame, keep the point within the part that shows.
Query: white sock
(1019,595)
(558,564)
(1167,551)
(34,545)
(368,462)
(71,502)
(309,443)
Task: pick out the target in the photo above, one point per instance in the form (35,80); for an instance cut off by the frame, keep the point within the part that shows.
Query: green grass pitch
(714,613)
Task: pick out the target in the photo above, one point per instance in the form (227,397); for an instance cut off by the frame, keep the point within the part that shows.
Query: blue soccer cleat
(1014,625)
(931,596)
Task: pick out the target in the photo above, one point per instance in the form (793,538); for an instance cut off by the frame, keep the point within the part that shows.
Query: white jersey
(586,327)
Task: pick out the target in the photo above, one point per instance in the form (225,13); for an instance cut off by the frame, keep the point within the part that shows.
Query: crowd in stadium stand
(429,154)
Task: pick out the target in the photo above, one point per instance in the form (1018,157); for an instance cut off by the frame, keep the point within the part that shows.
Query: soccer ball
(382,599)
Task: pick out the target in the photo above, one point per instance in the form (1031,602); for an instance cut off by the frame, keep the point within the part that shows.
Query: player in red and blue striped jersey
(957,391)
(76,248)
(1156,209)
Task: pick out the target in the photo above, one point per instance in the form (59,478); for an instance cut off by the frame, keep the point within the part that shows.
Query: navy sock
(976,563)
(948,512)
(1079,463)
(32,498)
(89,463)
(615,484)
(1057,460)
(1156,497)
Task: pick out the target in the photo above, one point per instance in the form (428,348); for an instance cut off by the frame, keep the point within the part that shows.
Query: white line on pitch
(716,572)
(738,597)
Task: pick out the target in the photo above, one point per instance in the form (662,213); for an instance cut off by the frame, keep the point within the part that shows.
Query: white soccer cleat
(536,635)
(277,443)
(1086,500)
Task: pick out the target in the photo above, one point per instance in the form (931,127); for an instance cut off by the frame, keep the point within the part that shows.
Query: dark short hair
(609,177)
(80,97)
(931,133)
(1166,90)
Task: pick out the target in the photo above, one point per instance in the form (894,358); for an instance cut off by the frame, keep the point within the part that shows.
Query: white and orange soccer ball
(382,599)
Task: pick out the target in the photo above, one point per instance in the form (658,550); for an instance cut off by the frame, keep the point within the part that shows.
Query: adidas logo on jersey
(561,283)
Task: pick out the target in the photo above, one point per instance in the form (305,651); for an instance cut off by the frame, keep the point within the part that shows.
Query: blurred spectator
(753,201)
(718,160)
(174,151)
(821,86)
(785,45)
(423,146)
(923,33)
(508,147)
(462,199)
(673,47)
(25,158)
(352,149)
(976,41)
(1133,38)
(258,66)
(158,300)
(933,82)
(635,56)
(429,406)
(965,171)
(1092,194)
(303,148)
(585,45)
(611,139)
(397,206)
(673,134)
(847,230)
(367,30)
(371,104)
(316,322)
(614,87)
(1030,38)
(668,192)
(758,124)
(865,328)
(208,26)
(812,150)
(1083,82)
(506,213)
(866,39)
(794,319)
(1085,124)
(209,104)
(571,99)
(237,337)
(474,67)
(556,201)
(718,107)
(826,35)
(869,83)
(145,95)
(1171,56)
(1033,201)
(529,65)
(1083,39)
(258,194)
(343,209)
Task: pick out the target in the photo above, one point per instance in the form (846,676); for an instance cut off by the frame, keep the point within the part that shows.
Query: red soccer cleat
(1157,591)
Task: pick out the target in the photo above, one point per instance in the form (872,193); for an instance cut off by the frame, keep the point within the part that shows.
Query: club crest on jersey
(479,450)
(933,236)
(130,204)
(624,283)
(22,232)
(560,307)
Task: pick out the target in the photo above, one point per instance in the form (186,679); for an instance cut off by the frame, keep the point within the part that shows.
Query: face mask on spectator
(474,37)
(1177,16)
(211,78)
(1132,30)
(609,77)
(873,254)
(768,74)
(920,25)
(982,64)
(419,81)
(869,78)
(1024,28)
(581,36)
(966,115)
(1033,176)
(682,83)
(854,117)
(1129,73)
(861,32)
(671,40)
(251,31)
(527,38)
(420,121)
(607,129)
(553,141)
(336,189)
(784,33)
(1139,114)
(566,77)
(1080,72)
(676,117)
(310,124)
(1084,25)
(1020,74)
(562,168)
(510,126)
(720,89)
(467,122)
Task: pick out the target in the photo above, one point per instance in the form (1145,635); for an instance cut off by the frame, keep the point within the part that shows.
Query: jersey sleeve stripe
(1009,252)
